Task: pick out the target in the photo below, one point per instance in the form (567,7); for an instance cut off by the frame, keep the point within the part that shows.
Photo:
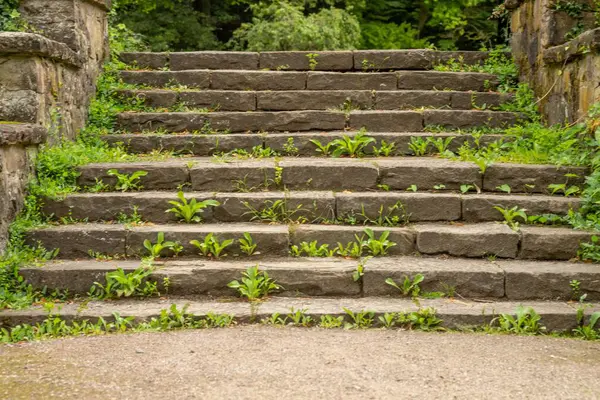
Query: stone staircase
(283,102)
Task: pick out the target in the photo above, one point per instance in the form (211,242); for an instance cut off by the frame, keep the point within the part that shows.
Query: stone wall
(565,74)
(47,79)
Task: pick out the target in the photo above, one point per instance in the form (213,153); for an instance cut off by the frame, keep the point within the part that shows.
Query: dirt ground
(256,362)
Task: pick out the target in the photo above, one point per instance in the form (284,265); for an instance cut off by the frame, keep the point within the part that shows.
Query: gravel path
(255,362)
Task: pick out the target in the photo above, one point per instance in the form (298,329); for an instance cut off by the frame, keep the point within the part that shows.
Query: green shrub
(283,26)
(378,35)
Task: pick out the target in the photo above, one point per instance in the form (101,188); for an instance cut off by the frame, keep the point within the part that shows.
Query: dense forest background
(177,25)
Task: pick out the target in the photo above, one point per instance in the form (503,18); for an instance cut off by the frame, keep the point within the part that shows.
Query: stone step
(300,142)
(397,173)
(288,80)
(229,100)
(289,121)
(308,207)
(463,314)
(460,240)
(467,278)
(300,60)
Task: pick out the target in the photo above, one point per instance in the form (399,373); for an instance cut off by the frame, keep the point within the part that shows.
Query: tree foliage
(312,24)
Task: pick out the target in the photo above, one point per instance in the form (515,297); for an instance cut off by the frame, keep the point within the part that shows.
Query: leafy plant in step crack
(247,245)
(418,146)
(412,188)
(504,188)
(410,287)
(331,322)
(378,246)
(189,210)
(466,188)
(350,250)
(359,320)
(324,149)
(351,146)
(156,249)
(590,251)
(511,215)
(210,246)
(525,322)
(385,149)
(121,284)
(276,211)
(276,319)
(424,319)
(441,144)
(359,272)
(300,317)
(588,331)
(563,189)
(390,216)
(127,182)
(311,249)
(575,286)
(312,61)
(254,284)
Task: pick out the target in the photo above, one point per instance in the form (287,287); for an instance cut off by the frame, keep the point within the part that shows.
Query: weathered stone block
(206,145)
(151,206)
(233,176)
(478,208)
(434,80)
(332,235)
(469,278)
(258,80)
(351,81)
(469,119)
(195,79)
(530,178)
(411,99)
(393,59)
(135,143)
(271,240)
(145,60)
(528,280)
(220,100)
(76,241)
(278,121)
(415,206)
(468,100)
(387,121)
(213,60)
(170,122)
(165,175)
(426,173)
(551,243)
(298,206)
(324,174)
(314,100)
(299,60)
(468,240)
(152,98)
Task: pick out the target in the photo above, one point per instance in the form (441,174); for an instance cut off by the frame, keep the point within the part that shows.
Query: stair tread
(454,313)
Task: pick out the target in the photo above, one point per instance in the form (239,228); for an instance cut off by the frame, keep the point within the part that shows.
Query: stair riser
(300,60)
(316,277)
(290,121)
(478,241)
(207,145)
(419,207)
(281,81)
(327,174)
(318,100)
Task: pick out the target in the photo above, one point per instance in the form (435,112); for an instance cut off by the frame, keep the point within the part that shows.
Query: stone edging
(33,44)
(583,44)
(24,134)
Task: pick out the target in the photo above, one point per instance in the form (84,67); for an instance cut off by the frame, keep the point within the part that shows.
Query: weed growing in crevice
(255,284)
